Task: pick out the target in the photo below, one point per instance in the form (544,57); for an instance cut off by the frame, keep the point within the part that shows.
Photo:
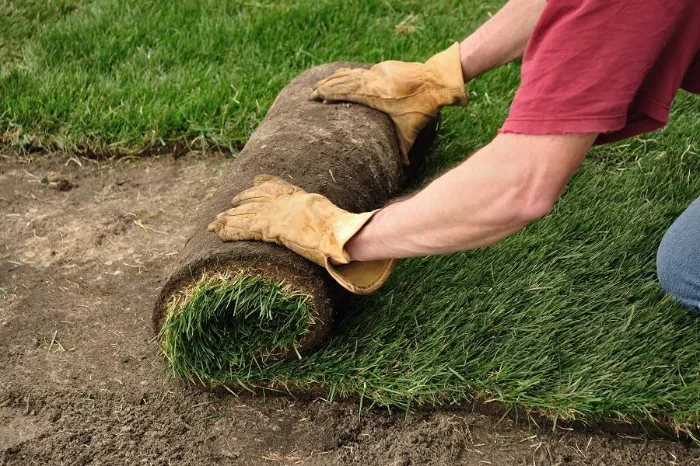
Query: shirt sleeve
(604,66)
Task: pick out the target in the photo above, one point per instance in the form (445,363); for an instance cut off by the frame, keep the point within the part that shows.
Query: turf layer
(224,325)
(565,317)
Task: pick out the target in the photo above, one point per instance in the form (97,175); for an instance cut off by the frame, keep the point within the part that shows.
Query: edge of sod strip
(225,324)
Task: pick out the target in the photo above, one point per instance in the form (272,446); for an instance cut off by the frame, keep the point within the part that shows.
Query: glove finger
(257,195)
(241,213)
(235,224)
(350,79)
(266,190)
(228,232)
(316,96)
(349,90)
(338,73)
(349,83)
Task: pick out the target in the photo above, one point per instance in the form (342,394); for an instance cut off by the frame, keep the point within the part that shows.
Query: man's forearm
(495,193)
(501,39)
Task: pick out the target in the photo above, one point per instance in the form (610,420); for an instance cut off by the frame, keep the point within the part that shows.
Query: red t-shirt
(606,66)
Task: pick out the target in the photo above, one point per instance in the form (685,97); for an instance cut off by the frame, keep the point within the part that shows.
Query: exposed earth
(83,249)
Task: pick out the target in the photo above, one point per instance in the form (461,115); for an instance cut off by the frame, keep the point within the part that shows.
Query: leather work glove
(410,93)
(309,224)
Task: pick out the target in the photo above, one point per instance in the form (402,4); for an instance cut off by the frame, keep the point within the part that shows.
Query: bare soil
(83,249)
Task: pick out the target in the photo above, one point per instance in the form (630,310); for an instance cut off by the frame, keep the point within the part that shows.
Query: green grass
(132,74)
(226,325)
(565,317)
(20,20)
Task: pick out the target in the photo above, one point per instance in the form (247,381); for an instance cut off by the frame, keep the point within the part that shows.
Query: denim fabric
(678,259)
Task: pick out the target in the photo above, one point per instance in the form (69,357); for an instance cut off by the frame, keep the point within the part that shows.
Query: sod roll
(228,305)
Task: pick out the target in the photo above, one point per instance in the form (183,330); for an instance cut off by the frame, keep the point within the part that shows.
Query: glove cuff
(446,68)
(361,277)
(357,277)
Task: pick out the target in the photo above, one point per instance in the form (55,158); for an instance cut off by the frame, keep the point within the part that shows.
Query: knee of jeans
(672,269)
(667,265)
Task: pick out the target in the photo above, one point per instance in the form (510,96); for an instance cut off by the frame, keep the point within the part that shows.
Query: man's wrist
(367,244)
(467,60)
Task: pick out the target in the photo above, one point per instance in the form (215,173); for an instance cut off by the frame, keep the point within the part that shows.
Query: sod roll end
(226,306)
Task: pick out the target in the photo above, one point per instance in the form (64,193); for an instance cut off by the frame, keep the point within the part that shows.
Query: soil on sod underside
(81,382)
(346,152)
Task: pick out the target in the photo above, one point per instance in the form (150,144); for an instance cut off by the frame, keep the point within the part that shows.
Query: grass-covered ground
(565,317)
(86,74)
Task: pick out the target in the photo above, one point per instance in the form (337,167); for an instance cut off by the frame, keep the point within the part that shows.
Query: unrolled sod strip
(228,305)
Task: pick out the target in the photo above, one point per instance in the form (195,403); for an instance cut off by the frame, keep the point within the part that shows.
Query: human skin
(500,189)
(509,183)
(501,39)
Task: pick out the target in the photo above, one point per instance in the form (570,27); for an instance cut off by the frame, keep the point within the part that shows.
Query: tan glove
(308,224)
(411,93)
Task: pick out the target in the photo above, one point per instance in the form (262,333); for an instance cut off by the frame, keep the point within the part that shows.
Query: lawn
(565,318)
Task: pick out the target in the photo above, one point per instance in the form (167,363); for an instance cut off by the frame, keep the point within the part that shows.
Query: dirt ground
(83,249)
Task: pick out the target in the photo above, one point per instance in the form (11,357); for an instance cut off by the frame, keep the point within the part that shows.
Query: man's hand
(411,93)
(308,224)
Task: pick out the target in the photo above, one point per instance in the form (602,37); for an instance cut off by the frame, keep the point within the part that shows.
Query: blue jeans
(678,259)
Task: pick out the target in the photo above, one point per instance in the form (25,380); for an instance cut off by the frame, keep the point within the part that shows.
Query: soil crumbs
(83,248)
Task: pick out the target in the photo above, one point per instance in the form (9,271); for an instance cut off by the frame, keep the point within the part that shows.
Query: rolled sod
(229,306)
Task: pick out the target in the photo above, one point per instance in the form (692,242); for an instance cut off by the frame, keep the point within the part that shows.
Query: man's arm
(412,93)
(501,39)
(499,190)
